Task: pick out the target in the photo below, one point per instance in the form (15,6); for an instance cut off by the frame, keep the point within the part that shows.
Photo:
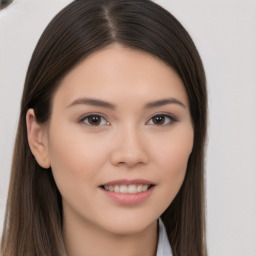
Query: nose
(129,149)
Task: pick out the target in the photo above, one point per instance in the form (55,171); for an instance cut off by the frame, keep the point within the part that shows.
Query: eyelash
(82,120)
(166,116)
(170,117)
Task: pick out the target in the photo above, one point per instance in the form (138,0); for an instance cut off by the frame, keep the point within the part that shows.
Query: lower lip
(129,199)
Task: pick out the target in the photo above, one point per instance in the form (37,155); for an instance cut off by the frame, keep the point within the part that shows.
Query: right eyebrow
(92,102)
(163,102)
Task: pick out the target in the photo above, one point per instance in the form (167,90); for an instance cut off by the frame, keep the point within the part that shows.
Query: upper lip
(128,182)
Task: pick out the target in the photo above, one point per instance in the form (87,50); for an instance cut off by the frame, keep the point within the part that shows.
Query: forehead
(117,71)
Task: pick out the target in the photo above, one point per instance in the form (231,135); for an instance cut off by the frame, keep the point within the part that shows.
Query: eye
(161,120)
(94,120)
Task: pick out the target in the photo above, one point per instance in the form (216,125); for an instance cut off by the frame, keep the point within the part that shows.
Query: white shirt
(163,247)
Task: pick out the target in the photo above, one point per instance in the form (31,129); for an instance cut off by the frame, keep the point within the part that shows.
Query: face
(119,139)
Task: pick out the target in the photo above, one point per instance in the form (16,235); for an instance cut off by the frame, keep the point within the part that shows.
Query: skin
(126,143)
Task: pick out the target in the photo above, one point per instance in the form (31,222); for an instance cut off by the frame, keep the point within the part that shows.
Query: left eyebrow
(92,102)
(163,102)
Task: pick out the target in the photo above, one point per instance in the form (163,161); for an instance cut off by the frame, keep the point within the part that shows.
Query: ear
(37,139)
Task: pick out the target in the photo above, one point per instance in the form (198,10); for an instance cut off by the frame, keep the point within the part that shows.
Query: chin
(127,225)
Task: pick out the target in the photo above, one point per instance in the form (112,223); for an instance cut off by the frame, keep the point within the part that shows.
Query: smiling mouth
(127,189)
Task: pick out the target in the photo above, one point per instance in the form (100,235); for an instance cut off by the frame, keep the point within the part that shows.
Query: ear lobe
(37,139)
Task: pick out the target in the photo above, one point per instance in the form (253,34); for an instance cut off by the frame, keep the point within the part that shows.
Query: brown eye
(94,120)
(161,120)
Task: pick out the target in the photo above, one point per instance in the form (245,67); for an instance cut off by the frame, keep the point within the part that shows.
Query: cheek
(175,149)
(173,158)
(176,158)
(75,159)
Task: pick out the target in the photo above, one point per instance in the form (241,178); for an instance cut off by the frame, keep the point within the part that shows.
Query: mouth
(128,192)
(127,188)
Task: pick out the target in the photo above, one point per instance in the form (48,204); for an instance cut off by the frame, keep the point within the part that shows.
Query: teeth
(123,189)
(132,189)
(116,188)
(139,188)
(127,189)
(110,188)
(144,188)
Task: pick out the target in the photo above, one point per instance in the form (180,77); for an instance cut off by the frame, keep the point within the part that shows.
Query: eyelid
(168,115)
(83,117)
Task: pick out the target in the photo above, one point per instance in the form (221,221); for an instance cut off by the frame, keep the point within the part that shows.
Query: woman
(110,144)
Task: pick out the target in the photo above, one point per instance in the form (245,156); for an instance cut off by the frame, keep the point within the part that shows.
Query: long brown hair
(33,220)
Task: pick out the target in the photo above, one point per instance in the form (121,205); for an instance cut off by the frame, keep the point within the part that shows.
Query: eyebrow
(163,102)
(92,102)
(105,104)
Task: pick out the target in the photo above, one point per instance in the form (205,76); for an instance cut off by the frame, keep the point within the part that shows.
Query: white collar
(163,247)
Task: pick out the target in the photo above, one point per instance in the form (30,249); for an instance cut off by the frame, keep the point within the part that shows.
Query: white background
(225,34)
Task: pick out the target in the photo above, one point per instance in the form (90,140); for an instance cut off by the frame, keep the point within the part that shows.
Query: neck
(87,239)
